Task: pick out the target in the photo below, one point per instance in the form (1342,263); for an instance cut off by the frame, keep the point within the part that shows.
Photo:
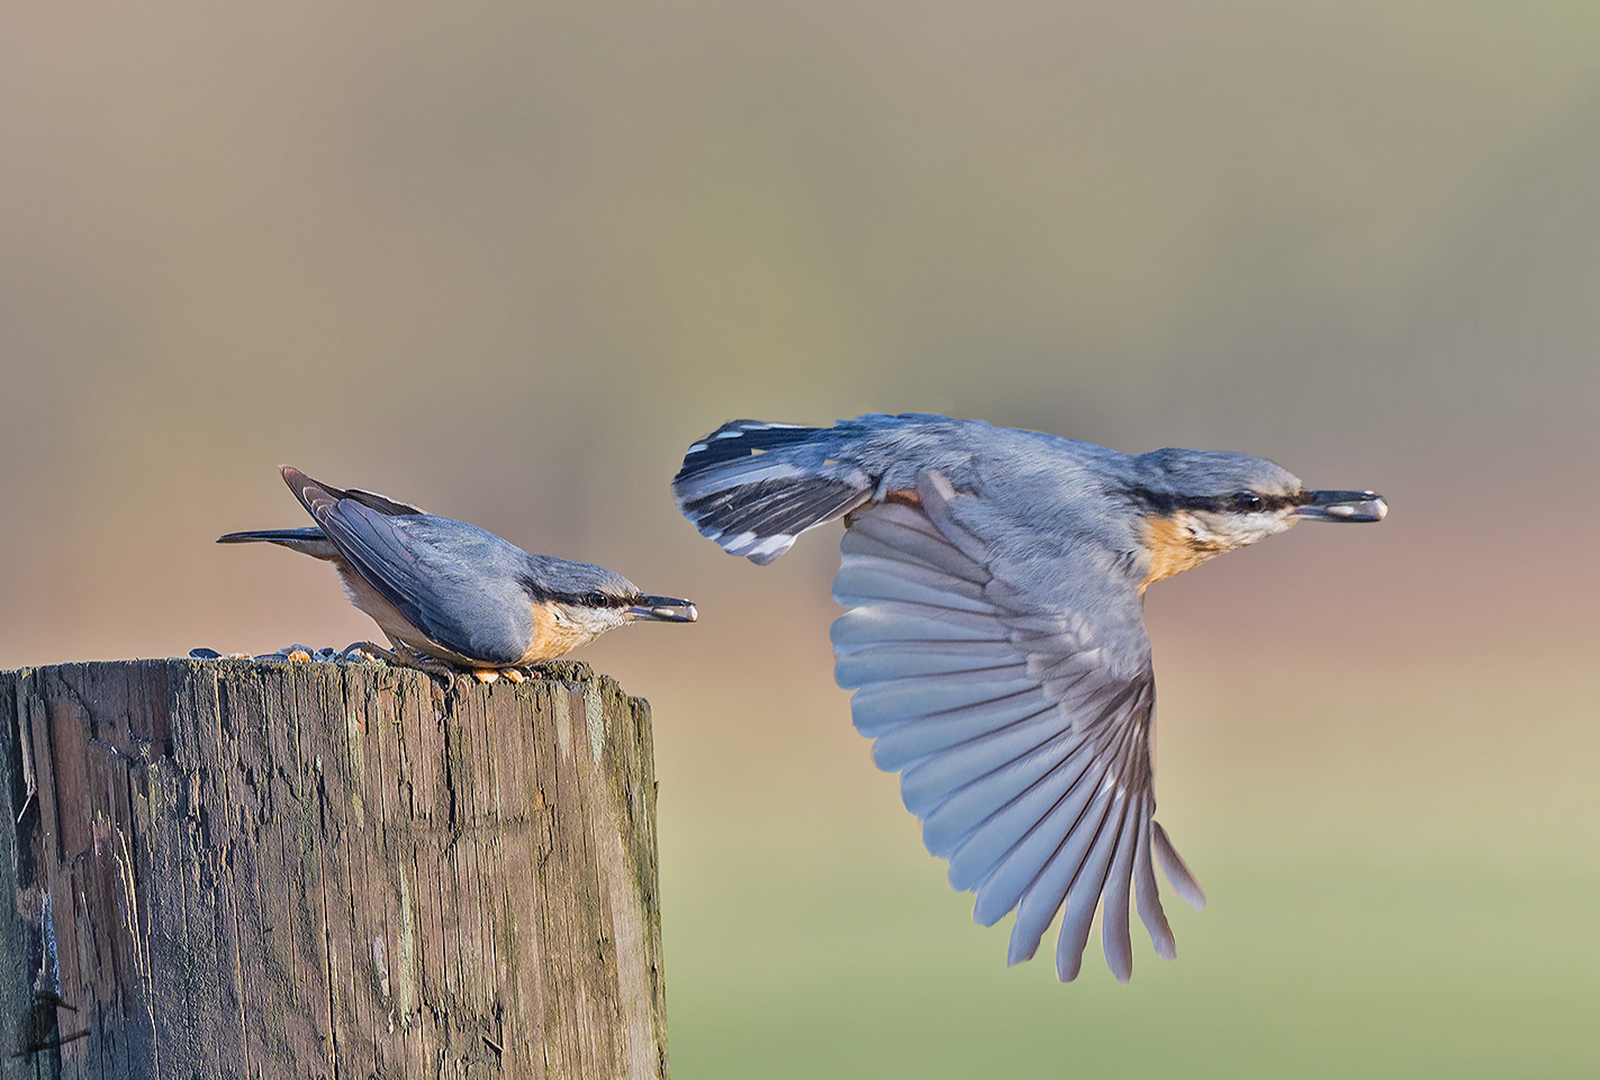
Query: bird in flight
(994,634)
(450,595)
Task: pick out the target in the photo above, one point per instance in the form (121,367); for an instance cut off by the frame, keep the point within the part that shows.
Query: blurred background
(507,260)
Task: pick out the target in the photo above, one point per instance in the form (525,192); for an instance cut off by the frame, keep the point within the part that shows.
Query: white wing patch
(1025,756)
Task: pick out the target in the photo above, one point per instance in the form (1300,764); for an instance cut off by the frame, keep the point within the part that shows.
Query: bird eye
(595,599)
(1247,501)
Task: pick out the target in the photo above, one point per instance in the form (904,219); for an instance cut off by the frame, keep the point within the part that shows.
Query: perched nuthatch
(995,634)
(453,592)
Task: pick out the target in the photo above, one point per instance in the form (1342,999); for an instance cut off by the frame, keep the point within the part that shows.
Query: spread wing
(439,573)
(1017,704)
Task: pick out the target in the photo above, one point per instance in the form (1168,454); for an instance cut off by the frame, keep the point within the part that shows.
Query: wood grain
(258,869)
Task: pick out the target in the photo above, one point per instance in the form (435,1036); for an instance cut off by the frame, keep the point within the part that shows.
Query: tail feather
(740,439)
(753,487)
(309,540)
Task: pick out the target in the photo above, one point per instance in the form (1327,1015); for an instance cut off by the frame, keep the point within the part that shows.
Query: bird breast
(1175,545)
(558,630)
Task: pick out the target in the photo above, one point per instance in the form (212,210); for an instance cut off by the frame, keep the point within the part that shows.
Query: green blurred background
(508,260)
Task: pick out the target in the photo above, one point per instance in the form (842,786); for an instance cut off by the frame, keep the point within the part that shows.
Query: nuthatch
(453,592)
(995,635)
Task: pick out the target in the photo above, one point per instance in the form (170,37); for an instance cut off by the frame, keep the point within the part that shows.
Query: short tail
(753,487)
(309,541)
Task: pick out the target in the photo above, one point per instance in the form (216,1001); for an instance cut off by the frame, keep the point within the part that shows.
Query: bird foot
(359,649)
(404,657)
(489,675)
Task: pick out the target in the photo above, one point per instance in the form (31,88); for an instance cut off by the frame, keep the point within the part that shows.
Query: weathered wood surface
(238,869)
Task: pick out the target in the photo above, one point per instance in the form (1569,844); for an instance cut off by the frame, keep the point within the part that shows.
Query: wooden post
(271,869)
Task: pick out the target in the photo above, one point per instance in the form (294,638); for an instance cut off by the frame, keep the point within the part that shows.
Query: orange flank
(904,498)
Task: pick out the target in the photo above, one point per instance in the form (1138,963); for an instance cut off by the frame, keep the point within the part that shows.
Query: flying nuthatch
(453,592)
(995,635)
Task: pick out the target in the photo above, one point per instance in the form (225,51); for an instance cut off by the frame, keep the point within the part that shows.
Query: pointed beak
(1343,506)
(662,609)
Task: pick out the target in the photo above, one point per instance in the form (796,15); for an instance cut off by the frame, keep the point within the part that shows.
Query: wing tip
(1178,873)
(1016,955)
(298,482)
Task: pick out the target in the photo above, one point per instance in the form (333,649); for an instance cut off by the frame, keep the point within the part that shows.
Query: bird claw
(514,675)
(486,676)
(402,658)
(367,650)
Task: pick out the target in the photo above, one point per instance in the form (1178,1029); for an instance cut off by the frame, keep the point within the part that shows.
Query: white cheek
(1259,528)
(1233,532)
(590,621)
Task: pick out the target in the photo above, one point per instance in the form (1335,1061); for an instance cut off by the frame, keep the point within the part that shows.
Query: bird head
(585,600)
(1201,503)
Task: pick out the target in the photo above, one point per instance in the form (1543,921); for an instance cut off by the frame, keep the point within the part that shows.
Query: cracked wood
(228,868)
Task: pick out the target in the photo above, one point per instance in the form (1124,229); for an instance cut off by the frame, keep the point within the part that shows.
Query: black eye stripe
(582,600)
(1166,505)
